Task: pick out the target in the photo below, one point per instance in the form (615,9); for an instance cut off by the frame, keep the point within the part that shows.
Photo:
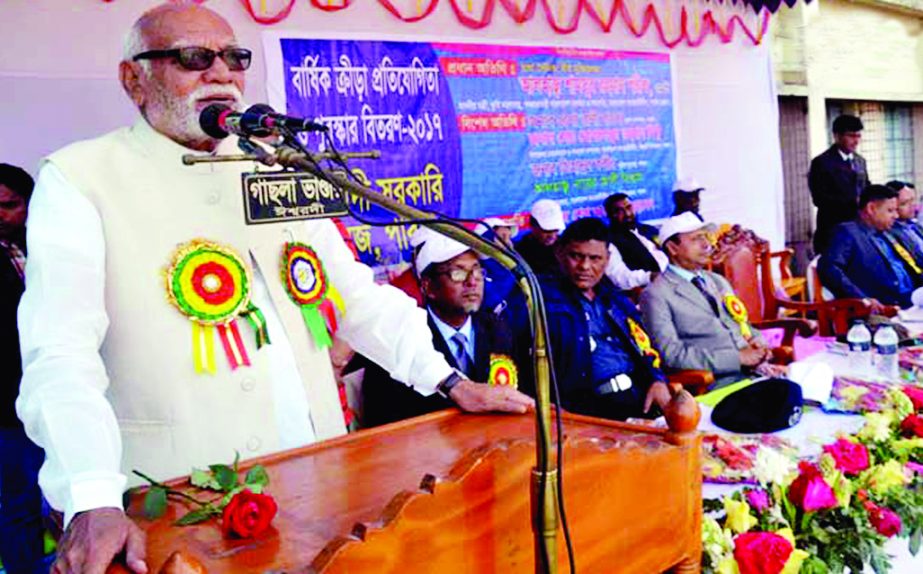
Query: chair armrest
(792,326)
(782,355)
(785,258)
(695,381)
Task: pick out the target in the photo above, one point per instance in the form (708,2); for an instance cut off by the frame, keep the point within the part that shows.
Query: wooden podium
(449,492)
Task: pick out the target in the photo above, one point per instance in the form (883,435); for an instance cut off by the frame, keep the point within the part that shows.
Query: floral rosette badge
(308,287)
(738,312)
(503,371)
(643,340)
(210,284)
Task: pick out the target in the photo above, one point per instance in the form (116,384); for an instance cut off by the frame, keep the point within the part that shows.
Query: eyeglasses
(457,275)
(197,58)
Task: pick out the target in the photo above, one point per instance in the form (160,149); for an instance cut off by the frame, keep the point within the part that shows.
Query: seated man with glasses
(475,341)
(121,367)
(604,362)
(694,316)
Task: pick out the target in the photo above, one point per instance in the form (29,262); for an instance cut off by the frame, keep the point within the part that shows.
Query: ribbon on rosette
(503,371)
(738,312)
(309,287)
(643,341)
(210,284)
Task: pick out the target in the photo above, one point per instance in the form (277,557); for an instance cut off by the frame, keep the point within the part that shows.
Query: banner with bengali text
(473,130)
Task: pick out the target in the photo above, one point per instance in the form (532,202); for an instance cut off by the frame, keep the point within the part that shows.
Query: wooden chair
(795,288)
(743,269)
(833,316)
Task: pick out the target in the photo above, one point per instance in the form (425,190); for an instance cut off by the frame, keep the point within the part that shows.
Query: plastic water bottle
(860,349)
(886,347)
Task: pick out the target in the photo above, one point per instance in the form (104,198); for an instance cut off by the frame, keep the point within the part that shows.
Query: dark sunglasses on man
(197,58)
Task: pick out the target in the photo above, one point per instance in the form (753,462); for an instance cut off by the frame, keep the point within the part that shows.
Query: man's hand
(772,371)
(95,538)
(477,398)
(658,394)
(876,307)
(752,356)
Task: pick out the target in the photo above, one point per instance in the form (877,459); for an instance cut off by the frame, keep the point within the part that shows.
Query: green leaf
(225,475)
(256,476)
(236,460)
(196,516)
(155,503)
(916,537)
(203,479)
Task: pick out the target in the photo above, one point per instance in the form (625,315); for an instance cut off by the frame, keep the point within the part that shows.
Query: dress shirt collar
(447,331)
(684,273)
(845,156)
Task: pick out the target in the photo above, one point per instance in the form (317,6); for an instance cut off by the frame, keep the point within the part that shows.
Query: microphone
(259,120)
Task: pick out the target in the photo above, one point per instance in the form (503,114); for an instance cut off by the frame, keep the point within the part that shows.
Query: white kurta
(76,389)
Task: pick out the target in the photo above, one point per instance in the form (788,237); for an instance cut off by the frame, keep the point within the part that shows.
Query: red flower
(761,552)
(886,521)
(912,426)
(247,515)
(809,491)
(916,396)
(850,457)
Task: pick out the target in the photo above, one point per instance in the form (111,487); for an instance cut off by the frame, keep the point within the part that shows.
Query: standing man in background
(21,545)
(836,179)
(546,221)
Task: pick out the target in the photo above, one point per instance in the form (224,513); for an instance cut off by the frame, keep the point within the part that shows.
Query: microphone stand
(544,478)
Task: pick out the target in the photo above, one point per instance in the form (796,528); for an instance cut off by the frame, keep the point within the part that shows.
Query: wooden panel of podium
(449,492)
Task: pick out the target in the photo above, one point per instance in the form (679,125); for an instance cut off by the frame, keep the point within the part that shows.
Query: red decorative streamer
(231,341)
(708,22)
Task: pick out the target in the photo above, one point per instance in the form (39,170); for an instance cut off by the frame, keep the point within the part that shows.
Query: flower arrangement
(828,515)
(245,510)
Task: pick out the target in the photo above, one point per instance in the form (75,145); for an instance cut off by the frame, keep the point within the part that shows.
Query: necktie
(461,352)
(700,285)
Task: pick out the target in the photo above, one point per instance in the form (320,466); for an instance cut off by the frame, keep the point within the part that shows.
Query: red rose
(810,491)
(247,515)
(886,521)
(915,394)
(912,426)
(850,457)
(761,552)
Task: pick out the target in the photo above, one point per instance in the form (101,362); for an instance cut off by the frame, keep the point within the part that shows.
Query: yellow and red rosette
(503,371)
(736,309)
(643,341)
(309,287)
(210,284)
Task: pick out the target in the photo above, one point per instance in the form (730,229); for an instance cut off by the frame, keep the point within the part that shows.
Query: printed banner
(480,130)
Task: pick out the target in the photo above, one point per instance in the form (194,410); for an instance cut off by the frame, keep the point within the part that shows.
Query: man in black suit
(476,342)
(21,546)
(836,179)
(865,260)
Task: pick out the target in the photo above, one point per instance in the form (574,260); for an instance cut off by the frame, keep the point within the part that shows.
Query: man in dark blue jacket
(604,361)
(865,260)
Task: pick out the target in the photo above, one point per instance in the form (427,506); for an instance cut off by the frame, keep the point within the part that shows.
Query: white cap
(421,234)
(548,214)
(497,222)
(686,222)
(688,185)
(438,249)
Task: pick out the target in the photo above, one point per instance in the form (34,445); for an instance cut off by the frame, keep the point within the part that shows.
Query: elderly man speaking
(120,369)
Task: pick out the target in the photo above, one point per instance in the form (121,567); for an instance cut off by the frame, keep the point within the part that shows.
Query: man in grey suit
(694,316)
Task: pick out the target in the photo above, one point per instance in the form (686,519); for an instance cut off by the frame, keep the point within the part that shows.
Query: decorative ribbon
(210,284)
(905,255)
(309,288)
(503,371)
(643,341)
(738,312)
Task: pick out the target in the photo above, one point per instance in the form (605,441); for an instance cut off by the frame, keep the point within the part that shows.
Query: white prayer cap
(687,185)
(490,223)
(421,235)
(438,249)
(548,214)
(685,222)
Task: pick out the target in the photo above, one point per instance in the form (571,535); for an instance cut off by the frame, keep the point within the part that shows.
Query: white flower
(772,467)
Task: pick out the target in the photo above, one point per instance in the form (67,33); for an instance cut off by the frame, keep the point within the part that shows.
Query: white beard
(179,119)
